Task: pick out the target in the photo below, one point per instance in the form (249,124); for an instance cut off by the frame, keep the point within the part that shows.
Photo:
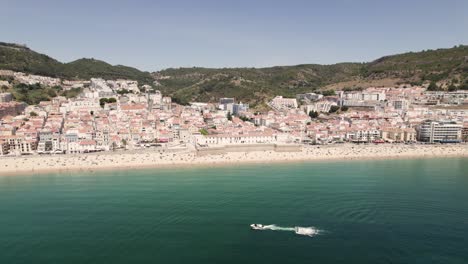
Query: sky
(153,35)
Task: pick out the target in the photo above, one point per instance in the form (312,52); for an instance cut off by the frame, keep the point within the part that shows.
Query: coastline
(103,161)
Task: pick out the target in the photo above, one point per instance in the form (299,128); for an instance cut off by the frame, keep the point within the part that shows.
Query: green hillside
(89,68)
(446,68)
(256,85)
(250,84)
(427,65)
(20,58)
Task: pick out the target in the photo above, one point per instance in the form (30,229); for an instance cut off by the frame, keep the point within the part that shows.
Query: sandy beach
(123,160)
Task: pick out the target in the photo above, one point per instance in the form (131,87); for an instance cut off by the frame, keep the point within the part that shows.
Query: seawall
(218,150)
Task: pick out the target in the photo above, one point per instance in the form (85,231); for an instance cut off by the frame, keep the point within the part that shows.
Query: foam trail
(307,231)
(304,231)
(279,228)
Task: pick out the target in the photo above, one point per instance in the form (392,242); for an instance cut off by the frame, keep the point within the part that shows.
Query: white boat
(257,227)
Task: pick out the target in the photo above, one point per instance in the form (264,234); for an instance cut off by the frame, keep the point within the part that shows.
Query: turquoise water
(398,211)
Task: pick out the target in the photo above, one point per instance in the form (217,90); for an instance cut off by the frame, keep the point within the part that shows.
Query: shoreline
(32,165)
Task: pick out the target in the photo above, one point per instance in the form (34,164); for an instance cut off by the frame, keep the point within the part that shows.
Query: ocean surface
(397,211)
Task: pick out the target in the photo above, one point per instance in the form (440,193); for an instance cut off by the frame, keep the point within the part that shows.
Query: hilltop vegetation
(89,68)
(35,93)
(21,58)
(446,68)
(443,66)
(434,65)
(251,84)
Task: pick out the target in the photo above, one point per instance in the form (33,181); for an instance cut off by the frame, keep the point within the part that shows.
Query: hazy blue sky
(152,35)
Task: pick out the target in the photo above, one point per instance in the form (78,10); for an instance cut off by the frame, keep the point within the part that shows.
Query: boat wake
(304,231)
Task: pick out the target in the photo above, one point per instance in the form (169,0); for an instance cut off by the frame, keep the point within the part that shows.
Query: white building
(363,135)
(309,97)
(283,103)
(364,96)
(320,107)
(439,131)
(229,139)
(83,146)
(400,104)
(80,104)
(33,79)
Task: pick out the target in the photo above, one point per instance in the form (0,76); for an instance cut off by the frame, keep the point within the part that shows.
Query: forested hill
(20,58)
(446,67)
(254,85)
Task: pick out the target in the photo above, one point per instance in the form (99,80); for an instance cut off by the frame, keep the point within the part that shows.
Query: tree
(103,101)
(313,114)
(229,116)
(328,92)
(123,91)
(51,93)
(73,92)
(334,108)
(57,88)
(33,113)
(452,88)
(344,108)
(464,86)
(433,87)
(245,119)
(203,132)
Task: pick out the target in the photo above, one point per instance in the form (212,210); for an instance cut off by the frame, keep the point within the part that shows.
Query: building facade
(440,131)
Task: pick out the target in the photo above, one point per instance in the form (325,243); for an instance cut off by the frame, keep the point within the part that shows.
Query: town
(117,115)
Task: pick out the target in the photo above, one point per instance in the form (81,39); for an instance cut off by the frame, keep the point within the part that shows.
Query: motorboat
(257,227)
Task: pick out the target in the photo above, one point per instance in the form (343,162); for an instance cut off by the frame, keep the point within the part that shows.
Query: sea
(373,211)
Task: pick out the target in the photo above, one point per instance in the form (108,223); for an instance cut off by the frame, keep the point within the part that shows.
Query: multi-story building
(308,97)
(283,103)
(363,135)
(465,133)
(224,102)
(363,96)
(400,104)
(240,107)
(154,100)
(4,148)
(399,134)
(440,131)
(80,104)
(230,139)
(166,103)
(321,106)
(17,145)
(49,141)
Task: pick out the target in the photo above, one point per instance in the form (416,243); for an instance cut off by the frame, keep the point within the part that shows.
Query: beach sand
(26,165)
